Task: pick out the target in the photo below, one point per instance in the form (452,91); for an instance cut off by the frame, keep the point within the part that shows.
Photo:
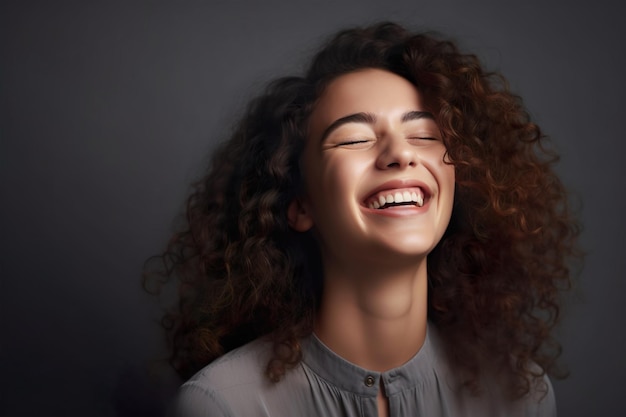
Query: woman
(382,236)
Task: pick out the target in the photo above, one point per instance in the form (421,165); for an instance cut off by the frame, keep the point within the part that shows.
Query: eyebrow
(416,115)
(369,118)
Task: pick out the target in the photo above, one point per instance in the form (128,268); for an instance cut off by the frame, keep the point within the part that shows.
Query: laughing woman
(383,236)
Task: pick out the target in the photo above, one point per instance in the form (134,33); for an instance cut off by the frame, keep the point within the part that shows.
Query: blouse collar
(350,377)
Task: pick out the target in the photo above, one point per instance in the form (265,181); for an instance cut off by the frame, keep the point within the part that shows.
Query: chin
(410,248)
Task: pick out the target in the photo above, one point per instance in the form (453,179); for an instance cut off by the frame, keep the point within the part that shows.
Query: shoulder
(538,402)
(541,400)
(492,398)
(244,365)
(229,379)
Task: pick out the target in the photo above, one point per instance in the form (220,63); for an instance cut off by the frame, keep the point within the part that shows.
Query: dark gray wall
(108,111)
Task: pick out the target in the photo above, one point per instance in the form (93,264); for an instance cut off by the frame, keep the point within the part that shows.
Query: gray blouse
(324,384)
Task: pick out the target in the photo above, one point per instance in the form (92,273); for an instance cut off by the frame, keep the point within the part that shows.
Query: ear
(298,216)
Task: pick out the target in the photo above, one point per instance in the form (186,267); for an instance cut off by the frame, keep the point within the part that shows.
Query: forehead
(370,90)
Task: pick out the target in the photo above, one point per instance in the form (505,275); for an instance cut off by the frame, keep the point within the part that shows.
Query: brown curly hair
(494,278)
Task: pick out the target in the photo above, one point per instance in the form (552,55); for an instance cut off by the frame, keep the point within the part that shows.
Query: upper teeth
(397,197)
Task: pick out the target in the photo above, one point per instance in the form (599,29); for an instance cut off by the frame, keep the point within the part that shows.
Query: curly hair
(494,278)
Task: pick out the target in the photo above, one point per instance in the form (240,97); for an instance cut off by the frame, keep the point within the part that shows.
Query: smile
(392,198)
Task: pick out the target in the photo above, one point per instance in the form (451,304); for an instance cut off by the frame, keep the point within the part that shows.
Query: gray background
(109,110)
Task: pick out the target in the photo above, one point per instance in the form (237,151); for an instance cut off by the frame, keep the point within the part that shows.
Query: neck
(374,317)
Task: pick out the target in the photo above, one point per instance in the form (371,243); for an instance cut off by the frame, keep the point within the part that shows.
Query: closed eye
(423,138)
(352,142)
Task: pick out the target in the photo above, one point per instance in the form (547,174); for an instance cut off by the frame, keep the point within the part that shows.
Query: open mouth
(413,196)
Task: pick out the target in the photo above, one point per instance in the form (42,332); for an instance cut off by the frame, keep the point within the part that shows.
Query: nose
(397,153)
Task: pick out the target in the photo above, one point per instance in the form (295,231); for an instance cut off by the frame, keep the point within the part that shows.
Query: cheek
(447,181)
(450,175)
(448,187)
(445,175)
(444,172)
(342,173)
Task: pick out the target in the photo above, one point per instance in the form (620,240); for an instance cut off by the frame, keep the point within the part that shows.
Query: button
(369,381)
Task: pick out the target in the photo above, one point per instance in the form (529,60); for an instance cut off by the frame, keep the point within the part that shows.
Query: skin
(370,134)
